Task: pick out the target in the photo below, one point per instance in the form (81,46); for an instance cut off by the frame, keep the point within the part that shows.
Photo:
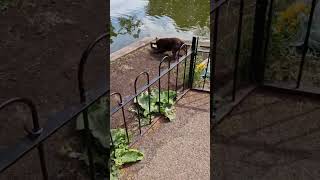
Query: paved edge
(143,42)
(130,48)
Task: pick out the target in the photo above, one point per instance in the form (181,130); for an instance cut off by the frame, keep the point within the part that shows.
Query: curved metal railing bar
(82,63)
(32,134)
(123,115)
(149,99)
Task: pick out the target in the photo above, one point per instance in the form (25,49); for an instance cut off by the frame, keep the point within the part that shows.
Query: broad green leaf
(97,119)
(114,173)
(167,100)
(97,124)
(113,177)
(170,113)
(119,137)
(124,156)
(144,121)
(164,97)
(143,100)
(97,108)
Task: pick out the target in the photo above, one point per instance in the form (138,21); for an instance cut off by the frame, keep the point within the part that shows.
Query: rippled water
(134,19)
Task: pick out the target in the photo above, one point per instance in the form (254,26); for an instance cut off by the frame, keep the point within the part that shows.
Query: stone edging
(130,48)
(141,43)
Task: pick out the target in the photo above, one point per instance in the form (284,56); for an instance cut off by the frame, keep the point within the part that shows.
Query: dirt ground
(268,136)
(125,69)
(41,44)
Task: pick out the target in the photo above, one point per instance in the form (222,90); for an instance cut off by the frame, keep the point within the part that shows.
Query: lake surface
(135,19)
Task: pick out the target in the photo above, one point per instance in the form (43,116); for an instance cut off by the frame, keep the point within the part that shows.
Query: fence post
(214,15)
(192,60)
(257,57)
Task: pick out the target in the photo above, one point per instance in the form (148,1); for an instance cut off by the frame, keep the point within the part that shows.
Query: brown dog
(167,44)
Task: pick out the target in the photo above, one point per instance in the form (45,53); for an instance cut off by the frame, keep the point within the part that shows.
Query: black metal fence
(305,46)
(216,6)
(188,62)
(38,134)
(259,52)
(261,37)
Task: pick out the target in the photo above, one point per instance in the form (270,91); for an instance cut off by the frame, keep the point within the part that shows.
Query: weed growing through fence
(121,154)
(285,26)
(287,22)
(286,46)
(199,71)
(99,128)
(166,105)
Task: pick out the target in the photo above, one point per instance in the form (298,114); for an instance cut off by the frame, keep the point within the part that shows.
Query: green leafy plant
(288,20)
(285,27)
(282,65)
(99,128)
(167,100)
(97,116)
(199,72)
(121,154)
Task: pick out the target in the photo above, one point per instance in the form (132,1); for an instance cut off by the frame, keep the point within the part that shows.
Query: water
(135,19)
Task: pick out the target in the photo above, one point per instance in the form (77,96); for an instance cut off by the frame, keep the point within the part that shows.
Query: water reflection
(135,19)
(129,25)
(186,14)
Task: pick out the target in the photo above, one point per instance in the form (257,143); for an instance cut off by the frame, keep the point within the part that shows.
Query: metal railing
(10,158)
(264,12)
(189,57)
(263,18)
(259,55)
(38,134)
(305,47)
(216,5)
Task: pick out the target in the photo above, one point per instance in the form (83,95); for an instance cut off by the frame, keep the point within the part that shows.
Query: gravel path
(285,129)
(179,149)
